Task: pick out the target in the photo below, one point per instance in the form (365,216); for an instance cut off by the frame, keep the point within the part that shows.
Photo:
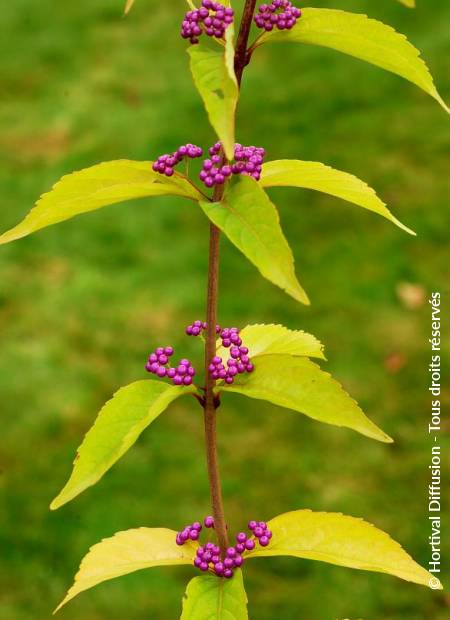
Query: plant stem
(240,57)
(210,401)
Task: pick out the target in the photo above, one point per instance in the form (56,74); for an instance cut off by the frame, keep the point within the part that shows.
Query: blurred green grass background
(81,305)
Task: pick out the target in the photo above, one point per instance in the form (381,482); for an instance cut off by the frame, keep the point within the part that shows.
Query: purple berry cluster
(158,364)
(248,161)
(208,555)
(237,363)
(239,360)
(166,163)
(212,18)
(196,328)
(280,14)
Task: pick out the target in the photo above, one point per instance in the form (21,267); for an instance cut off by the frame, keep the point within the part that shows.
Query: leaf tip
(60,500)
(11,235)
(410,231)
(55,504)
(441,102)
(302,297)
(128,7)
(62,603)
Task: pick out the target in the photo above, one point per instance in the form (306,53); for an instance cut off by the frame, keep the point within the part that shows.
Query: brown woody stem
(210,401)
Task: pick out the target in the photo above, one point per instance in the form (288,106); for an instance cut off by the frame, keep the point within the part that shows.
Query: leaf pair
(328,537)
(246,214)
(283,376)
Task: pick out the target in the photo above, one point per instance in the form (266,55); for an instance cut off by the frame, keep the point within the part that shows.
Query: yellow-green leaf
(277,340)
(126,552)
(322,178)
(409,3)
(301,385)
(213,72)
(357,35)
(252,223)
(210,598)
(342,540)
(119,423)
(98,186)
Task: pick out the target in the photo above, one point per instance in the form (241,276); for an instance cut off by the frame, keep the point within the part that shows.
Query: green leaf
(210,598)
(342,540)
(299,384)
(357,35)
(317,176)
(127,552)
(213,73)
(252,223)
(277,340)
(99,186)
(118,425)
(409,3)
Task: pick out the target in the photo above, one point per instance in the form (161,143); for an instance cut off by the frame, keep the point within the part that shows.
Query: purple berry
(209,521)
(264,541)
(219,568)
(250,544)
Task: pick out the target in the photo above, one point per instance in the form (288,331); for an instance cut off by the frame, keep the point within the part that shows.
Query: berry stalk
(210,402)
